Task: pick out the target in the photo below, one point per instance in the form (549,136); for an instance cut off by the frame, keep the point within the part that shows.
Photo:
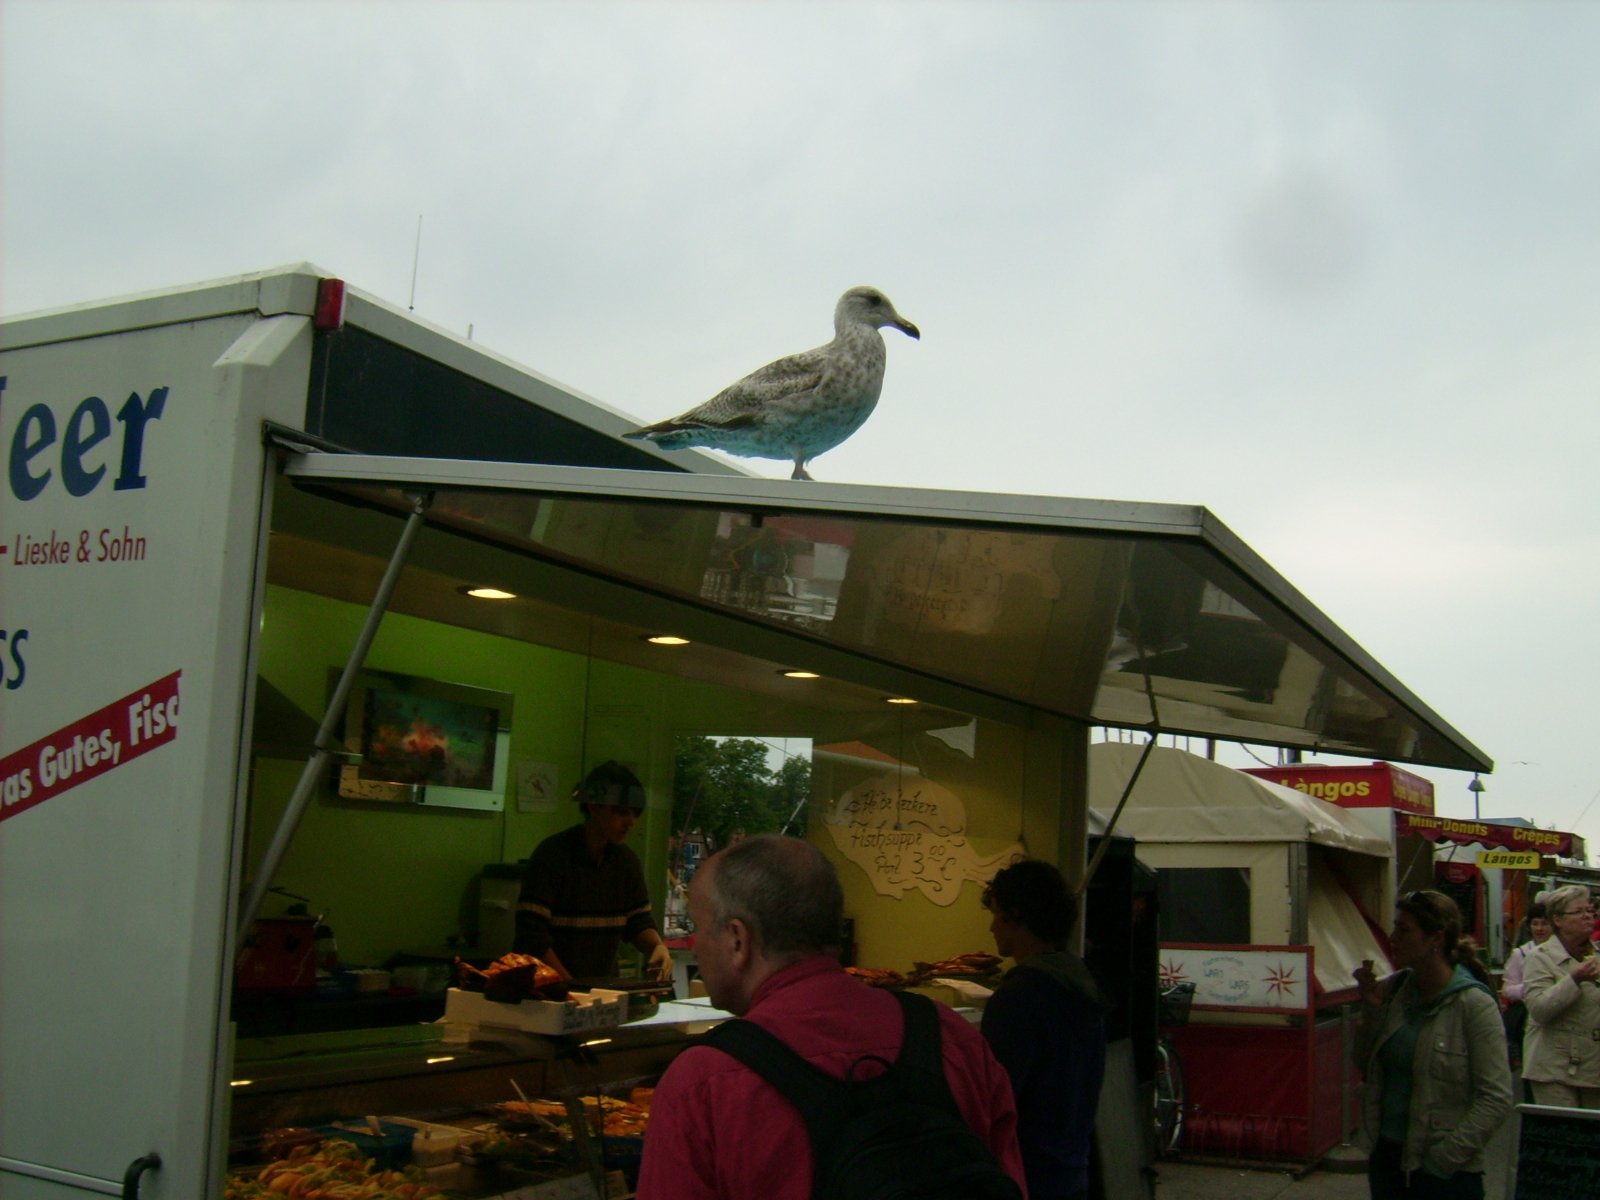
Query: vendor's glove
(659,965)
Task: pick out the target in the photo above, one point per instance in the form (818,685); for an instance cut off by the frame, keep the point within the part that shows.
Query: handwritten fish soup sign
(1248,977)
(909,833)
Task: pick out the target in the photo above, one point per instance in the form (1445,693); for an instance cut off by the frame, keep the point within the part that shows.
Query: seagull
(802,405)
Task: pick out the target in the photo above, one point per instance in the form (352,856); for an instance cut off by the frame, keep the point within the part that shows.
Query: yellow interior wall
(1009,799)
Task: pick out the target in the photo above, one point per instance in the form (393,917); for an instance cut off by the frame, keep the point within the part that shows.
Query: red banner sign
(1485,833)
(89,747)
(1376,785)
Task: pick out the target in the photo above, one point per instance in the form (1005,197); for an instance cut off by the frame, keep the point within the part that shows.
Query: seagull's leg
(800,468)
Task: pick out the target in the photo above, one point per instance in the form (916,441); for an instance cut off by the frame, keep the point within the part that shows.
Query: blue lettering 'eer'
(87,427)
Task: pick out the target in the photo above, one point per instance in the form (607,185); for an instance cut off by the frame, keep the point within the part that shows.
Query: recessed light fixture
(486,593)
(898,700)
(797,674)
(666,639)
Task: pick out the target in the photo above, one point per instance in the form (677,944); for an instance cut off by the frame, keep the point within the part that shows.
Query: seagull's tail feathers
(684,431)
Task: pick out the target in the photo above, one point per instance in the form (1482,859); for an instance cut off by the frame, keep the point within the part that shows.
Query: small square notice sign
(536,786)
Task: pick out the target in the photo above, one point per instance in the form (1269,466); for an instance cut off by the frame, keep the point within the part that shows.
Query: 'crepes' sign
(1484,833)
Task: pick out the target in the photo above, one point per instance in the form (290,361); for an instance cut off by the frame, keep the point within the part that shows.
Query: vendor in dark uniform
(584,892)
(1046,1024)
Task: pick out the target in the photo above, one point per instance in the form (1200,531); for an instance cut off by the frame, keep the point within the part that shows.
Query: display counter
(473,1093)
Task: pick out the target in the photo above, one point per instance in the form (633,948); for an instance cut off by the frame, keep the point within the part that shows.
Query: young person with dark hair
(1046,1025)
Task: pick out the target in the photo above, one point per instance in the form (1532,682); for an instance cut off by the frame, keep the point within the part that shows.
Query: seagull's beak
(907,328)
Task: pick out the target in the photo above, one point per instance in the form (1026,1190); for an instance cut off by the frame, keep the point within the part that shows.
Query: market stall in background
(308,493)
(1375,795)
(1267,902)
(1493,869)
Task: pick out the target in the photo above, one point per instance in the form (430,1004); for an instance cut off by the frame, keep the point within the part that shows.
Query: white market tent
(1311,869)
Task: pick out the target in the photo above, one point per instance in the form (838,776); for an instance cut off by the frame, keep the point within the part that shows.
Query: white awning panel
(1182,797)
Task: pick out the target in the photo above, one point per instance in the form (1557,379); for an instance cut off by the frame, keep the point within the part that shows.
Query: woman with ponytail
(1432,1051)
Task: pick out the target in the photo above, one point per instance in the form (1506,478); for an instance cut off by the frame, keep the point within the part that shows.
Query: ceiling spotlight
(898,700)
(799,674)
(486,593)
(666,639)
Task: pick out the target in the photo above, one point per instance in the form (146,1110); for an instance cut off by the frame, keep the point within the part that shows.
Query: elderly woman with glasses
(1561,987)
(1432,1051)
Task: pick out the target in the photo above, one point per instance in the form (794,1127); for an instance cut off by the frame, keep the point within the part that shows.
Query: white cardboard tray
(582,1011)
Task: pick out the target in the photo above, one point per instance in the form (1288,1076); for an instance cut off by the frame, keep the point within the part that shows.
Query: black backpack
(897,1135)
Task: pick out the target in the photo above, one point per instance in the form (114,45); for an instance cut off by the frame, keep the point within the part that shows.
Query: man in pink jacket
(767,913)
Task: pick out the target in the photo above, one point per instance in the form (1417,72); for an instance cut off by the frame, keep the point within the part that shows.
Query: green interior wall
(402,878)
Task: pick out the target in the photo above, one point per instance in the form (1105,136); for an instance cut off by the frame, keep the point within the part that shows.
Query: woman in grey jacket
(1432,1051)
(1562,991)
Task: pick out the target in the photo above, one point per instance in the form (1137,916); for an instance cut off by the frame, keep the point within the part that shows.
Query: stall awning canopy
(1110,613)
(1489,834)
(1181,797)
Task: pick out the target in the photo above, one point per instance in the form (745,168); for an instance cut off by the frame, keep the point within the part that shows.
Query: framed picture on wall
(411,740)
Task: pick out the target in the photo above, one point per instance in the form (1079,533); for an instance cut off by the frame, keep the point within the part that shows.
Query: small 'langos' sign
(1509,860)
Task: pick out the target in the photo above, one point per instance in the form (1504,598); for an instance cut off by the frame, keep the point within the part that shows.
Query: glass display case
(443,1109)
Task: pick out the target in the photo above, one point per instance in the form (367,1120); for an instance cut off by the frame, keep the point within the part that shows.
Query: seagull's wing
(763,390)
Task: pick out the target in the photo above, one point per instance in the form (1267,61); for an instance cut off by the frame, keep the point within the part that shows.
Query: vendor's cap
(611,783)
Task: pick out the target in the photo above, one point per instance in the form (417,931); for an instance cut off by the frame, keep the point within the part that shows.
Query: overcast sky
(1330,270)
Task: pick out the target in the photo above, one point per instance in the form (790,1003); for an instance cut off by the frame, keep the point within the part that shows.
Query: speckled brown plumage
(799,406)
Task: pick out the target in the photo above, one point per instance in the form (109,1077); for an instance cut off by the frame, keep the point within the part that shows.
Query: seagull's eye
(874,300)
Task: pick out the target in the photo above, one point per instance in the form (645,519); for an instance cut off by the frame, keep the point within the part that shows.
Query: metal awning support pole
(1111,824)
(1105,838)
(322,745)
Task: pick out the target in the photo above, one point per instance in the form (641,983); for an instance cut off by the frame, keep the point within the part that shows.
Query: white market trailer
(206,488)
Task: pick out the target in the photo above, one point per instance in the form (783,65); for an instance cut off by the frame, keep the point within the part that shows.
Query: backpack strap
(811,1090)
(922,1049)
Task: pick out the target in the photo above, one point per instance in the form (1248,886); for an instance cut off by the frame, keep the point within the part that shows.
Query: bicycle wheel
(1169,1098)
